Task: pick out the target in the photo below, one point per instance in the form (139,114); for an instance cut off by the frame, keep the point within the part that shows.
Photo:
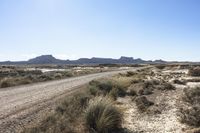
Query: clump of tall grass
(102,116)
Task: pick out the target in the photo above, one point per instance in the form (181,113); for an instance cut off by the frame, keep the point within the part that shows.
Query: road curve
(19,103)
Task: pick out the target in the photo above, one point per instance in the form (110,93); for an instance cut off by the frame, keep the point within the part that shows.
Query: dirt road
(22,105)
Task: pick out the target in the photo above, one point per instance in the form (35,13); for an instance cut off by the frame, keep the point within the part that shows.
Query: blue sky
(70,29)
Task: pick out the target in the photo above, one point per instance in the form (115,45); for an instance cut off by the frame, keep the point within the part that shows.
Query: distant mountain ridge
(49,59)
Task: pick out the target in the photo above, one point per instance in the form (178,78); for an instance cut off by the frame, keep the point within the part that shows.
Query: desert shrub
(117,92)
(181,82)
(192,95)
(24,81)
(193,80)
(93,90)
(73,106)
(58,76)
(147,87)
(45,77)
(6,83)
(145,91)
(166,86)
(194,71)
(121,90)
(33,72)
(131,92)
(102,116)
(22,72)
(160,66)
(130,73)
(94,83)
(101,88)
(106,86)
(67,74)
(143,103)
(134,81)
(189,113)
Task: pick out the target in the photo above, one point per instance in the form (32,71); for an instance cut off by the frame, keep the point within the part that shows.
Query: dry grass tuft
(102,116)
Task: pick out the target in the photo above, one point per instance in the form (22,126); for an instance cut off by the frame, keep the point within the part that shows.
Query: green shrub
(102,116)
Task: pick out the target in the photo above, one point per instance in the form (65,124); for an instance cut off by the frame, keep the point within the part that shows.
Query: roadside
(19,103)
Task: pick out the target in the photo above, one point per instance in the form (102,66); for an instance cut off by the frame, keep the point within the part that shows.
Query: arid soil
(23,105)
(167,120)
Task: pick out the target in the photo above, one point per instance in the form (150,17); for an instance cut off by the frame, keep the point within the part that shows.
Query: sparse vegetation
(68,117)
(194,71)
(193,80)
(107,87)
(12,76)
(160,66)
(109,96)
(180,82)
(143,103)
(130,73)
(190,111)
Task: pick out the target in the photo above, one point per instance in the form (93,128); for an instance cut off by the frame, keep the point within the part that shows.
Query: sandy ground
(22,105)
(167,121)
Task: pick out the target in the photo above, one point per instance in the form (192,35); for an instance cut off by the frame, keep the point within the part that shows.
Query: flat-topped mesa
(44,59)
(49,59)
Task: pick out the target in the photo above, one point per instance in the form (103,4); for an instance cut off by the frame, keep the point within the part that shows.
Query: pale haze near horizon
(147,29)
